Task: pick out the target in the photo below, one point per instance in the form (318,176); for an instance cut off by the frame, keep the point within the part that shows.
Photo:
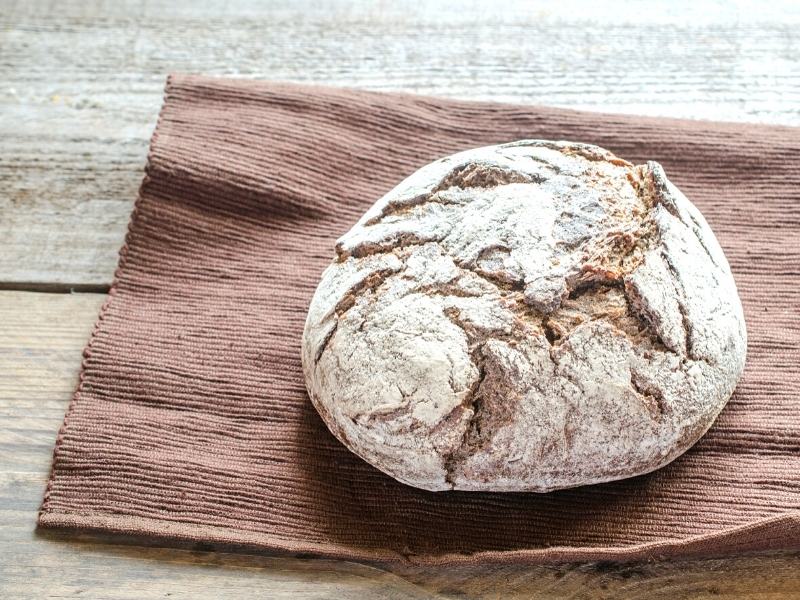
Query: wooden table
(80,85)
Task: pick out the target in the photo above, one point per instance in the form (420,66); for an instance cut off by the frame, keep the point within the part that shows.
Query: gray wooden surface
(80,86)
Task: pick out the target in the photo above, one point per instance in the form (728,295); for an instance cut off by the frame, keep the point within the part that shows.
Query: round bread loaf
(525,317)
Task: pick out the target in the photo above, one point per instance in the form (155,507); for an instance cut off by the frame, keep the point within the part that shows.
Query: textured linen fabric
(191,420)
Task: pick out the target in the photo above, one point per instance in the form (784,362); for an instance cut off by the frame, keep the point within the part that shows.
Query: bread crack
(696,229)
(652,397)
(325,341)
(471,402)
(490,397)
(470,175)
(680,299)
(370,283)
(481,175)
(394,209)
(403,240)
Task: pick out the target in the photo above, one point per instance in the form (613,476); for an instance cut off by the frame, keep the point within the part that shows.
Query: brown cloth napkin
(191,420)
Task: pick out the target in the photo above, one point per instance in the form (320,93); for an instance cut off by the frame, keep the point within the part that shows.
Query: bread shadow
(357,505)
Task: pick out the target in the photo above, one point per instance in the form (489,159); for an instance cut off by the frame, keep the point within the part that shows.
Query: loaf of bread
(525,317)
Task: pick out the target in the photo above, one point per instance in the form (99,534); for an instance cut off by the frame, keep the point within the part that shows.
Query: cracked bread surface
(525,317)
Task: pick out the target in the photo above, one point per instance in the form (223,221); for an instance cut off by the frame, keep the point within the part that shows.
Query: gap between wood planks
(54,287)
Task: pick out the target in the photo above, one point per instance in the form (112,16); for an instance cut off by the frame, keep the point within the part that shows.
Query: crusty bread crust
(525,317)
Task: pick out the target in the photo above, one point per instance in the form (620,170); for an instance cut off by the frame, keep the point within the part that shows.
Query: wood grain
(82,83)
(41,339)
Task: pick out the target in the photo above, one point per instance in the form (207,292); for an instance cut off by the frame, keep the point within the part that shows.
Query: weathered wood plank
(80,85)
(41,339)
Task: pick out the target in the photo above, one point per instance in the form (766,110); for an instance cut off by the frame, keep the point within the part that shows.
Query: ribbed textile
(191,420)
